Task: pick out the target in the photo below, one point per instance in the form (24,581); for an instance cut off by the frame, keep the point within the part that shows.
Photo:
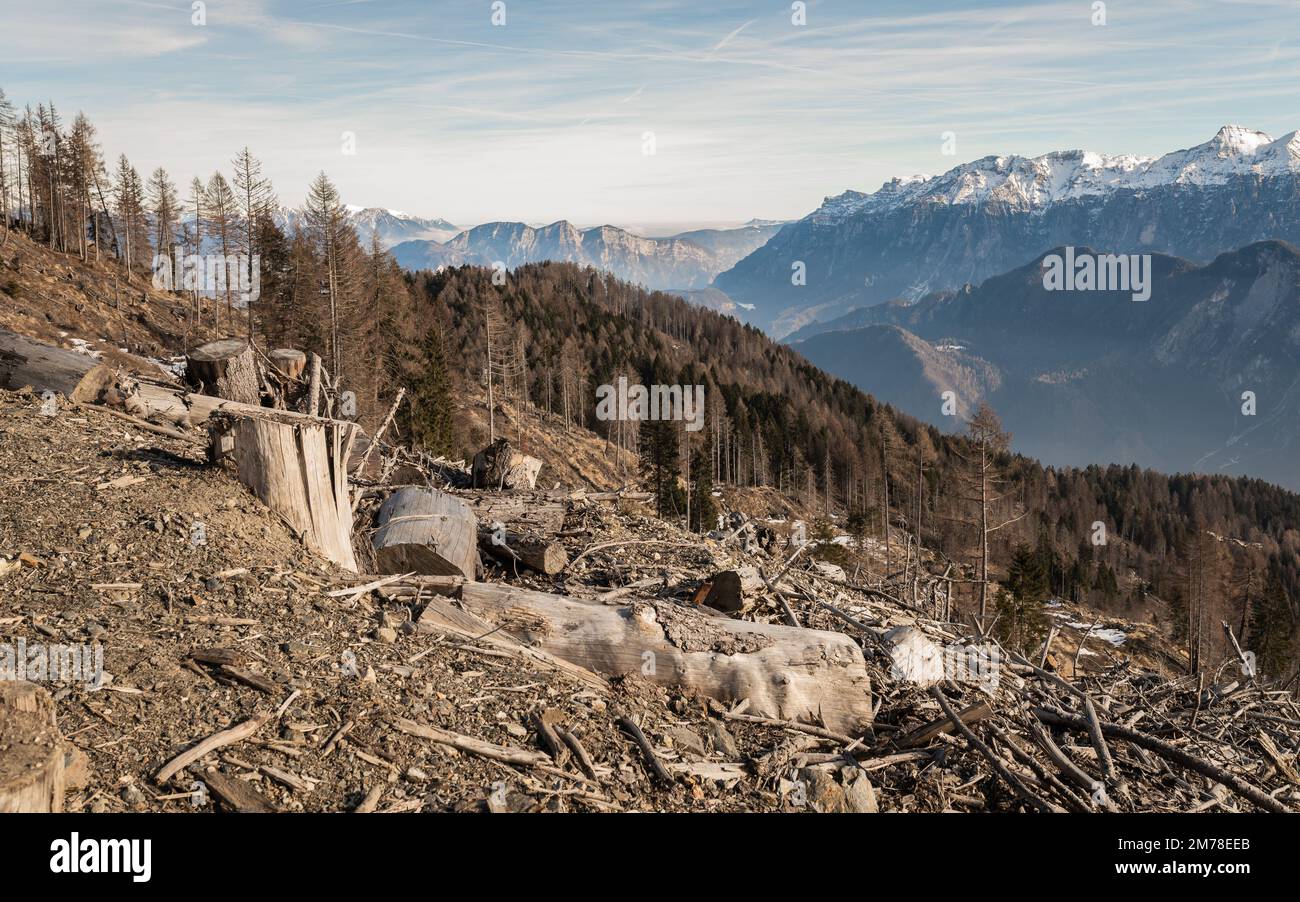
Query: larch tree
(8,145)
(988,441)
(195,237)
(255,199)
(164,205)
(223,221)
(334,241)
(128,193)
(85,173)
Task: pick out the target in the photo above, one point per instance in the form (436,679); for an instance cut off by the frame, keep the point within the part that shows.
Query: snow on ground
(1109,634)
(81,346)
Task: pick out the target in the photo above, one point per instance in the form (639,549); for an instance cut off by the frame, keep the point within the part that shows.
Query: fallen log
(518,549)
(810,676)
(32,766)
(24,362)
(296,466)
(225,368)
(440,617)
(426,531)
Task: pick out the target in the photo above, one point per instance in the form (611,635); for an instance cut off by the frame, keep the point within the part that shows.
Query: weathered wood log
(513,548)
(812,676)
(225,368)
(530,512)
(25,362)
(296,465)
(288,362)
(33,755)
(426,531)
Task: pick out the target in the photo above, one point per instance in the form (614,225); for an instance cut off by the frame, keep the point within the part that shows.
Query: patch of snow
(81,346)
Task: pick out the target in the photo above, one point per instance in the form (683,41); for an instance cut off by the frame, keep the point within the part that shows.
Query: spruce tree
(1022,622)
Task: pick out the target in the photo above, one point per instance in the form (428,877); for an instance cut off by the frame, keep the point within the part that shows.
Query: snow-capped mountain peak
(1038,182)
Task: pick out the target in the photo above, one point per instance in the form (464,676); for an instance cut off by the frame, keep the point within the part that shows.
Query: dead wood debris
(210,613)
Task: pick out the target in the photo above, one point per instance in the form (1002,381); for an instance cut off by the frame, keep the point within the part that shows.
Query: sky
(642,113)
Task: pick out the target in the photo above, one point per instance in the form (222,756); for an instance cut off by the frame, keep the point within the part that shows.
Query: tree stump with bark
(32,753)
(225,368)
(289,363)
(499,466)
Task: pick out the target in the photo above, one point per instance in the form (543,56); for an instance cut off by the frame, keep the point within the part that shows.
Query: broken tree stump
(730,591)
(426,531)
(32,753)
(23,362)
(499,466)
(225,368)
(297,466)
(288,362)
(533,552)
(788,673)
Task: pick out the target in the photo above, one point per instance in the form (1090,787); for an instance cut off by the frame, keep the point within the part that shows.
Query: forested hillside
(1211,548)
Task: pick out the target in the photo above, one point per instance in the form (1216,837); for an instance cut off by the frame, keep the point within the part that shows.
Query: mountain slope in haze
(922,235)
(687,261)
(1091,376)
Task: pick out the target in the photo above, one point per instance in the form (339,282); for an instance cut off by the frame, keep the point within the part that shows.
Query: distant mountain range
(1083,377)
(920,235)
(393,226)
(686,261)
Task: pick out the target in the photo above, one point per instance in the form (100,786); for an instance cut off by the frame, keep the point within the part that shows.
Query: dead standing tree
(987,441)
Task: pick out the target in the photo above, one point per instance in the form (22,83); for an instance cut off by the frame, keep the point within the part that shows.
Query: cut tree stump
(78,377)
(288,363)
(225,368)
(533,552)
(32,752)
(296,465)
(426,531)
(787,673)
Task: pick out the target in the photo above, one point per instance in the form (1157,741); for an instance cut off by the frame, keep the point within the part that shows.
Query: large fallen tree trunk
(296,465)
(225,368)
(24,362)
(426,531)
(812,676)
(32,753)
